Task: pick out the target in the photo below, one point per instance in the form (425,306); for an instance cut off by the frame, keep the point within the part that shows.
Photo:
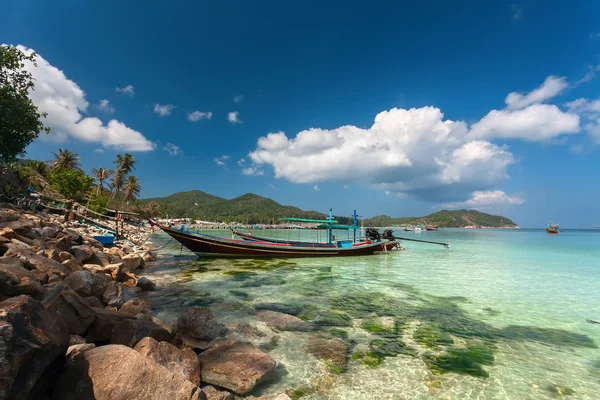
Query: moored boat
(431,227)
(552,228)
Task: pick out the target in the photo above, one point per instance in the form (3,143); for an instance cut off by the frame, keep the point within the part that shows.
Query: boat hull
(551,230)
(212,246)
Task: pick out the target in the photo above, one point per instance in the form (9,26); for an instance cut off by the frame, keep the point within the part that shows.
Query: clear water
(485,282)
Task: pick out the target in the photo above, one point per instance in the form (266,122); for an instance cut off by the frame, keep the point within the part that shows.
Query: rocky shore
(75,323)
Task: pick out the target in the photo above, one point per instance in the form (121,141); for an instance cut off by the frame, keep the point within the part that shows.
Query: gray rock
(198,327)
(282,322)
(75,311)
(16,280)
(76,339)
(49,232)
(116,295)
(103,325)
(116,372)
(93,302)
(146,284)
(81,282)
(48,266)
(82,253)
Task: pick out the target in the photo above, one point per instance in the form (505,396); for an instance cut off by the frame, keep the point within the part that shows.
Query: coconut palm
(39,166)
(101,175)
(125,163)
(65,159)
(132,188)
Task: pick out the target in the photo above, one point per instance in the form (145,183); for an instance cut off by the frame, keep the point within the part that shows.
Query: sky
(389,108)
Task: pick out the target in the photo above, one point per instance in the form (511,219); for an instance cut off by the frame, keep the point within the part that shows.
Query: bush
(71,183)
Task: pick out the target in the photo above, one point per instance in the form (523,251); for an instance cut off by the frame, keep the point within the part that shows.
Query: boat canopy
(335,226)
(316,221)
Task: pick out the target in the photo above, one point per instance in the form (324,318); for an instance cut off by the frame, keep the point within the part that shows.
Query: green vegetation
(20,120)
(467,361)
(71,183)
(368,358)
(445,219)
(430,335)
(560,390)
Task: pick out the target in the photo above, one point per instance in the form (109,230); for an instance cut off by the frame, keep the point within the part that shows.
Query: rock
(53,254)
(22,246)
(8,233)
(82,253)
(130,331)
(115,295)
(19,227)
(148,256)
(332,318)
(81,282)
(76,339)
(77,349)
(282,322)
(132,261)
(64,256)
(93,243)
(8,215)
(41,276)
(112,269)
(48,266)
(72,265)
(104,322)
(101,282)
(75,311)
(50,232)
(116,372)
(135,306)
(331,351)
(64,243)
(33,342)
(93,302)
(279,307)
(235,365)
(146,284)
(213,393)
(16,280)
(198,327)
(182,362)
(102,257)
(53,278)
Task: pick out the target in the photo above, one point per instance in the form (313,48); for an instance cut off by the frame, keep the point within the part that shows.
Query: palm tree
(39,166)
(65,159)
(132,188)
(101,175)
(125,163)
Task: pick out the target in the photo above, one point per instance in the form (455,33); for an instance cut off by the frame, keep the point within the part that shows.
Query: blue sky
(390,108)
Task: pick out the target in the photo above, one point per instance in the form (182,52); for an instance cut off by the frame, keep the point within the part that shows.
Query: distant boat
(418,229)
(552,228)
(431,227)
(409,228)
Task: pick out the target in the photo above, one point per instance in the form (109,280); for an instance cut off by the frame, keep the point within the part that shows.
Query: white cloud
(222,161)
(237,99)
(105,106)
(172,149)
(577,149)
(316,188)
(588,75)
(272,186)
(533,123)
(256,171)
(590,112)
(516,11)
(234,117)
(481,199)
(65,101)
(164,110)
(198,115)
(99,151)
(128,90)
(551,87)
(241,162)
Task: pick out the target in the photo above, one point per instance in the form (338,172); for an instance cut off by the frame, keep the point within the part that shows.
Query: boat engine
(373,234)
(388,234)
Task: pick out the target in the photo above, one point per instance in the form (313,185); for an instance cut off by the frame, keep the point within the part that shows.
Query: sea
(500,314)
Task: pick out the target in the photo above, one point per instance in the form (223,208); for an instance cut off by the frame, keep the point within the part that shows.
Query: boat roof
(336,226)
(316,221)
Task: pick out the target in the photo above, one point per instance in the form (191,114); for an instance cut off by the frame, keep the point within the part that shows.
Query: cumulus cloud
(590,113)
(551,87)
(237,99)
(234,117)
(253,170)
(65,101)
(164,110)
(105,106)
(222,161)
(128,90)
(172,149)
(198,115)
(482,199)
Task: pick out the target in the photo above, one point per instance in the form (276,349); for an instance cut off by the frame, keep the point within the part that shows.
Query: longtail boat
(552,228)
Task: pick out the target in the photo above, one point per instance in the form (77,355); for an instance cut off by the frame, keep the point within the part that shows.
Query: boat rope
(446,245)
(163,246)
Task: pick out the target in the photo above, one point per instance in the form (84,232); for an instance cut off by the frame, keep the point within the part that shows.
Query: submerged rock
(467,361)
(331,351)
(332,318)
(282,322)
(117,372)
(280,307)
(146,284)
(197,325)
(235,365)
(182,362)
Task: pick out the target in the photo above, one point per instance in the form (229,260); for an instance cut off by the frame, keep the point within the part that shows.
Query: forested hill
(253,209)
(447,219)
(248,208)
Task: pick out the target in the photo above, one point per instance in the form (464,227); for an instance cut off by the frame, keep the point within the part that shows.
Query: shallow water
(500,315)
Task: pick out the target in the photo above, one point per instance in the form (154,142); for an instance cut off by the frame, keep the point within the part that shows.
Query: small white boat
(418,229)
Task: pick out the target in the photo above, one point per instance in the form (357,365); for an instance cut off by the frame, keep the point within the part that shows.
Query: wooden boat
(214,246)
(409,228)
(552,228)
(431,227)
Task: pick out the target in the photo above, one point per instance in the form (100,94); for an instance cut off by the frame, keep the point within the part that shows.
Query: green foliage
(461,360)
(71,183)
(19,118)
(40,167)
(65,159)
(98,202)
(430,335)
(445,219)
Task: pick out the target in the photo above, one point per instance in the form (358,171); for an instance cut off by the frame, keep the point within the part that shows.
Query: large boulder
(93,302)
(101,283)
(331,351)
(33,342)
(48,266)
(76,312)
(101,257)
(82,253)
(133,261)
(63,243)
(103,325)
(116,372)
(135,306)
(115,294)
(212,393)
(130,331)
(235,365)
(50,232)
(182,362)
(146,284)
(81,282)
(197,326)
(282,322)
(16,280)
(72,265)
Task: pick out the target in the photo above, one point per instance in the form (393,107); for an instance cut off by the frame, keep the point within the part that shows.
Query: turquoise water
(500,314)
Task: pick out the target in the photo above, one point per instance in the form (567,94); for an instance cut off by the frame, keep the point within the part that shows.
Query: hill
(251,208)
(447,219)
(248,208)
